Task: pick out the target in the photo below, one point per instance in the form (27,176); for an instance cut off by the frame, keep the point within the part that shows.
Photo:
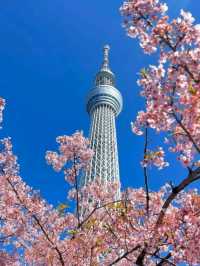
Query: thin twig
(77,190)
(145,172)
(165,260)
(97,208)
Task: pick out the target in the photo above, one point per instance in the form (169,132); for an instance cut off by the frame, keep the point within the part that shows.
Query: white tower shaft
(104,104)
(103,142)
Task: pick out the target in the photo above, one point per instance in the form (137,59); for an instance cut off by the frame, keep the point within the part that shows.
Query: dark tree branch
(192,177)
(140,258)
(125,255)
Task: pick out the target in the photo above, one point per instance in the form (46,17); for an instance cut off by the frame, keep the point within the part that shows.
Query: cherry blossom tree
(142,227)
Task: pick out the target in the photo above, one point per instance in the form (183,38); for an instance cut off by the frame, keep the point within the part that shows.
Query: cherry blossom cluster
(73,150)
(155,158)
(139,17)
(116,228)
(111,231)
(29,225)
(172,88)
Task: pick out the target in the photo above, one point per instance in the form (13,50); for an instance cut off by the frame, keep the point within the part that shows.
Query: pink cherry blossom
(142,227)
(171,89)
(155,158)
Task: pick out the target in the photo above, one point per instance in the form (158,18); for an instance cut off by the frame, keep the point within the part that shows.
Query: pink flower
(155,158)
(73,150)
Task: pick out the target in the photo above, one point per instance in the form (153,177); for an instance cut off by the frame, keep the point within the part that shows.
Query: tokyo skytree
(104,103)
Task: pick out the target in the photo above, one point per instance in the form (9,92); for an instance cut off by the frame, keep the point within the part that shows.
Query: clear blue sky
(50,52)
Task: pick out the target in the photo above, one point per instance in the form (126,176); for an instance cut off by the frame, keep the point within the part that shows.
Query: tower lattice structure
(104,103)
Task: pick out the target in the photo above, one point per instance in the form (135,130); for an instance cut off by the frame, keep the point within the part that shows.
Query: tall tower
(104,103)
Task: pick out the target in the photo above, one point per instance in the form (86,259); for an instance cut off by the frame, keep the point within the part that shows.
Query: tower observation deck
(104,103)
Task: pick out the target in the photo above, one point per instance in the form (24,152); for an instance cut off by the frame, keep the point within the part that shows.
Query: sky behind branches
(50,52)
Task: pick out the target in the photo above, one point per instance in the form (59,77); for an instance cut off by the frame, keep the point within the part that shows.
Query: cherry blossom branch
(174,49)
(77,190)
(186,131)
(97,208)
(171,46)
(124,256)
(37,221)
(186,68)
(192,177)
(47,237)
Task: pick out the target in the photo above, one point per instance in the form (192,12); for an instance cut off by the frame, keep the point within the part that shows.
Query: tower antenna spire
(106,50)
